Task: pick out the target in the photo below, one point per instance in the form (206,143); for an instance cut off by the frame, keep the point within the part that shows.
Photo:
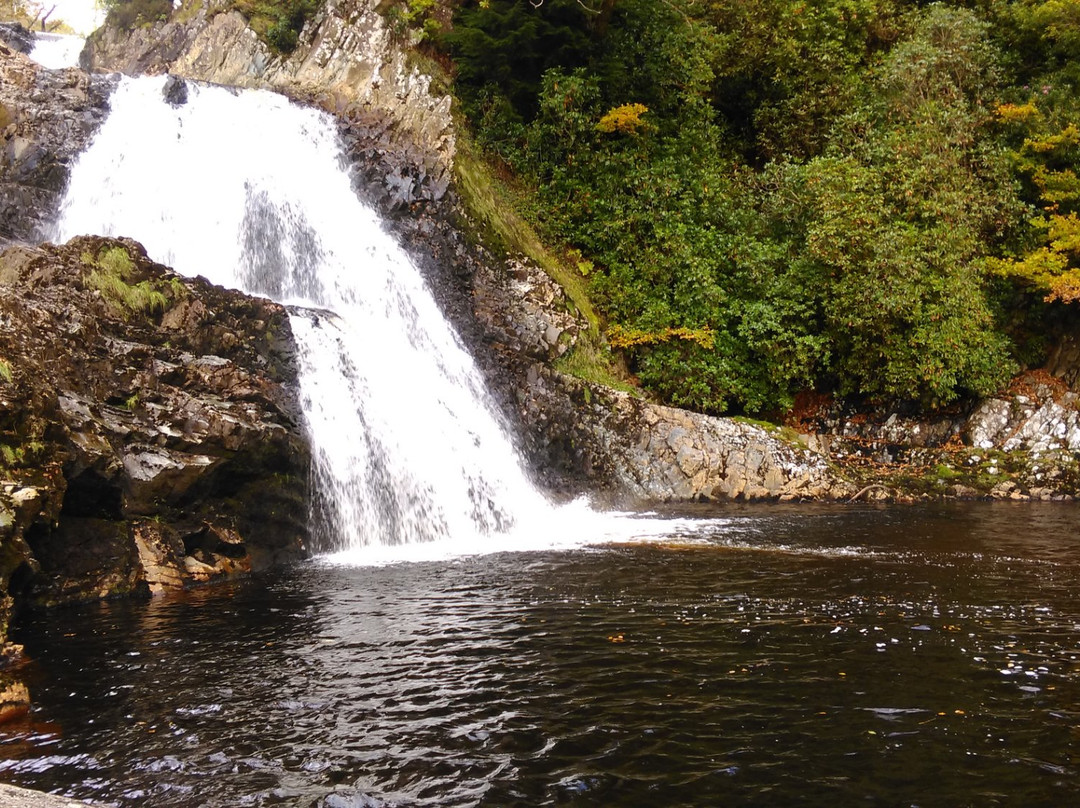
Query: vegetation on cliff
(277,22)
(874,198)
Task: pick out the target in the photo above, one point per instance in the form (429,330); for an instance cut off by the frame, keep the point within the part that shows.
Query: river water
(820,655)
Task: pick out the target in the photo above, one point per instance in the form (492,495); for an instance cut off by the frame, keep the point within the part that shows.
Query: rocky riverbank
(150,435)
(1022,444)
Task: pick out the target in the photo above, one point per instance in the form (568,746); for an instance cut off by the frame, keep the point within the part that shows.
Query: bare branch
(46,17)
(581,3)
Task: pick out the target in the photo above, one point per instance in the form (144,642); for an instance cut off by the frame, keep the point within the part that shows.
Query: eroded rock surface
(635,449)
(17,36)
(148,439)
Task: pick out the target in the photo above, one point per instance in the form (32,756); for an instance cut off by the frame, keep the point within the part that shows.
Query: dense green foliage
(129,14)
(877,198)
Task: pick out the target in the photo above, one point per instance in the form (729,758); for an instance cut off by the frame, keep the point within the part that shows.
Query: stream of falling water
(250,191)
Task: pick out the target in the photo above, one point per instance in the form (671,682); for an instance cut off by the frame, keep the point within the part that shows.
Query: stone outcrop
(150,435)
(643,451)
(1023,443)
(347,61)
(46,119)
(12,797)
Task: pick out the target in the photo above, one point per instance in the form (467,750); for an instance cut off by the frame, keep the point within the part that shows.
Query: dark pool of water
(900,656)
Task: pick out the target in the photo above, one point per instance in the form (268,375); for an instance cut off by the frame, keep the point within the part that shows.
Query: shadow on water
(892,656)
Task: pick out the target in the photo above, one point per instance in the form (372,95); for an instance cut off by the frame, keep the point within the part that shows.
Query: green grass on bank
(492,205)
(493,208)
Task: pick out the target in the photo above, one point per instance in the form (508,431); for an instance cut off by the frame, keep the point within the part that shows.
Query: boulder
(146,442)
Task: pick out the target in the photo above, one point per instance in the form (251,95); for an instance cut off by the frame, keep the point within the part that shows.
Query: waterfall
(411,459)
(250,191)
(56,51)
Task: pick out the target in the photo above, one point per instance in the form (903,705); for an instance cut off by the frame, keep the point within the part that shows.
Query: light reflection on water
(896,656)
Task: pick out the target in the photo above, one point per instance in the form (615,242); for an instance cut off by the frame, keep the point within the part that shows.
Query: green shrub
(128,14)
(816,186)
(278,22)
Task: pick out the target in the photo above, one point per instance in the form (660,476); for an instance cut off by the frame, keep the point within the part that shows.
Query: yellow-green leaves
(625,119)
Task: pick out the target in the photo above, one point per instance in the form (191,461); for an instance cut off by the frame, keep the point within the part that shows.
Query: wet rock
(161,556)
(17,37)
(14,701)
(46,119)
(1003,489)
(175,91)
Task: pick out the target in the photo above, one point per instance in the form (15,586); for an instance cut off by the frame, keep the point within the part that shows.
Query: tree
(1042,125)
(903,215)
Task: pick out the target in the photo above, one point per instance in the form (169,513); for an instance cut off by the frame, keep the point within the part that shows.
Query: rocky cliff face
(586,436)
(46,119)
(150,435)
(654,453)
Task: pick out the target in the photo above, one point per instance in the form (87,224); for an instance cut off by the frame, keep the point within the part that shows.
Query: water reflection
(897,656)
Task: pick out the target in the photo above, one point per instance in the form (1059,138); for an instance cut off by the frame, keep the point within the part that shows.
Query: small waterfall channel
(250,191)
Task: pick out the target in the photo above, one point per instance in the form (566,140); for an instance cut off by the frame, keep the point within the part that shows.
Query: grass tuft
(111,274)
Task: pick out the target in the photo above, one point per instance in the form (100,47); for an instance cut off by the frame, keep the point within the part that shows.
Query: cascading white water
(411,459)
(248,190)
(56,51)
